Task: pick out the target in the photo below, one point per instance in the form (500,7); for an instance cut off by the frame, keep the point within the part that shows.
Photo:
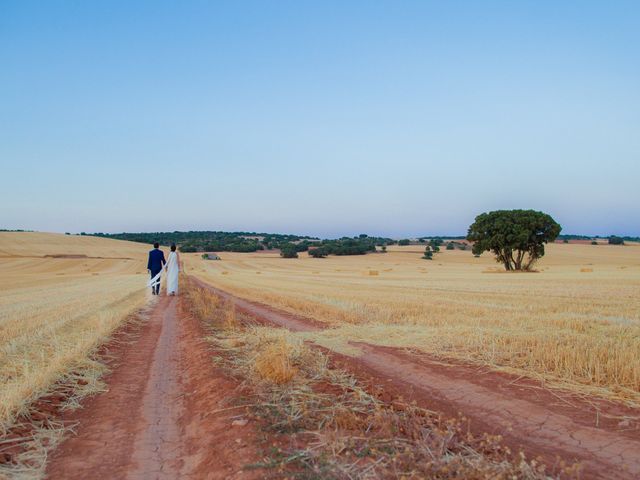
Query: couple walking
(157,263)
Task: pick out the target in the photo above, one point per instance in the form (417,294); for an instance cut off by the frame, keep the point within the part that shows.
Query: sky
(331,118)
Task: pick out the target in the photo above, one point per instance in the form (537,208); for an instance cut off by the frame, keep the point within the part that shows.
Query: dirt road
(153,422)
(603,437)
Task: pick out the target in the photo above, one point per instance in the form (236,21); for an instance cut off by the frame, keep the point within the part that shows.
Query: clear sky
(330,118)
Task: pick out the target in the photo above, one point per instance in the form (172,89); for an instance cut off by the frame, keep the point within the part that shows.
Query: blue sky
(325,118)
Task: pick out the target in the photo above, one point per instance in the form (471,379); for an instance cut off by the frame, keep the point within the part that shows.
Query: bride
(173,268)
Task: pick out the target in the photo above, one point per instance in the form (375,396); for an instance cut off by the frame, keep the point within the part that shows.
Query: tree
(384,248)
(516,237)
(428,254)
(319,252)
(288,252)
(613,240)
(404,242)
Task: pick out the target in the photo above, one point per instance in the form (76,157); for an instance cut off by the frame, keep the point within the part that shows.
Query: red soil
(158,420)
(603,437)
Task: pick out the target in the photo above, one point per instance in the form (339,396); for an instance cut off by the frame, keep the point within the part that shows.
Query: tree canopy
(318,252)
(288,251)
(516,237)
(614,240)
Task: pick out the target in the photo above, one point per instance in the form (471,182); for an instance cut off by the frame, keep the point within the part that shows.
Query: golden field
(575,323)
(55,311)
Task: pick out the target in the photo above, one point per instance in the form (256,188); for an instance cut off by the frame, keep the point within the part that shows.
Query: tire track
(535,420)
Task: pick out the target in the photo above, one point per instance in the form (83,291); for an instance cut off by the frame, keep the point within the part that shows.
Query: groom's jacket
(156,260)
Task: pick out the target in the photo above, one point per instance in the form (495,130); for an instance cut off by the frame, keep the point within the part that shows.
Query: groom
(155,264)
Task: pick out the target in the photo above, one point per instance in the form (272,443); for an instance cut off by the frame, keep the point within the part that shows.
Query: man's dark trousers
(155,289)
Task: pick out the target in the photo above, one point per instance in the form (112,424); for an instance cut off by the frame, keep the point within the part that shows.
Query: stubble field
(573,324)
(60,297)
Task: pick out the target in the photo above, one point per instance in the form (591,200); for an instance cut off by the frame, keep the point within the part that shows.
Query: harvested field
(574,324)
(57,304)
(557,427)
(323,422)
(388,366)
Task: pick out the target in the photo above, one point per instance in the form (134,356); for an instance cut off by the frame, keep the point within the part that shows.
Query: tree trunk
(505,257)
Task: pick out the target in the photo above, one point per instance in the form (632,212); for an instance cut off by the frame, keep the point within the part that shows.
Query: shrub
(593,242)
(404,242)
(614,240)
(450,246)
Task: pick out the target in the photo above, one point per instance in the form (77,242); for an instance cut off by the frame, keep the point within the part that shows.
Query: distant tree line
(208,241)
(291,245)
(612,239)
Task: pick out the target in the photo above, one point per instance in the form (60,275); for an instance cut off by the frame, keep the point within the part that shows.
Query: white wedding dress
(172,273)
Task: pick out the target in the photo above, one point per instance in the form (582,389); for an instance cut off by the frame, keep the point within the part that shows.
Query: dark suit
(155,264)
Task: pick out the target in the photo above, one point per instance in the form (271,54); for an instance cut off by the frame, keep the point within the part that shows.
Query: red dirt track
(164,415)
(603,437)
(154,422)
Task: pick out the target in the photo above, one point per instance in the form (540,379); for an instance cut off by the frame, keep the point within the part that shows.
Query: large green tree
(516,237)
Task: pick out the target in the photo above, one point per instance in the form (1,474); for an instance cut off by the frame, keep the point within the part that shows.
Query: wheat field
(60,297)
(575,323)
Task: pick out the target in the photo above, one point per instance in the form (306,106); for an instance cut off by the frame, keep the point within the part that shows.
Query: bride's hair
(173,247)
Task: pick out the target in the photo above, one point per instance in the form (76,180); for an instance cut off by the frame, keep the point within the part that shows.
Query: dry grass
(54,312)
(273,358)
(274,362)
(328,426)
(575,330)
